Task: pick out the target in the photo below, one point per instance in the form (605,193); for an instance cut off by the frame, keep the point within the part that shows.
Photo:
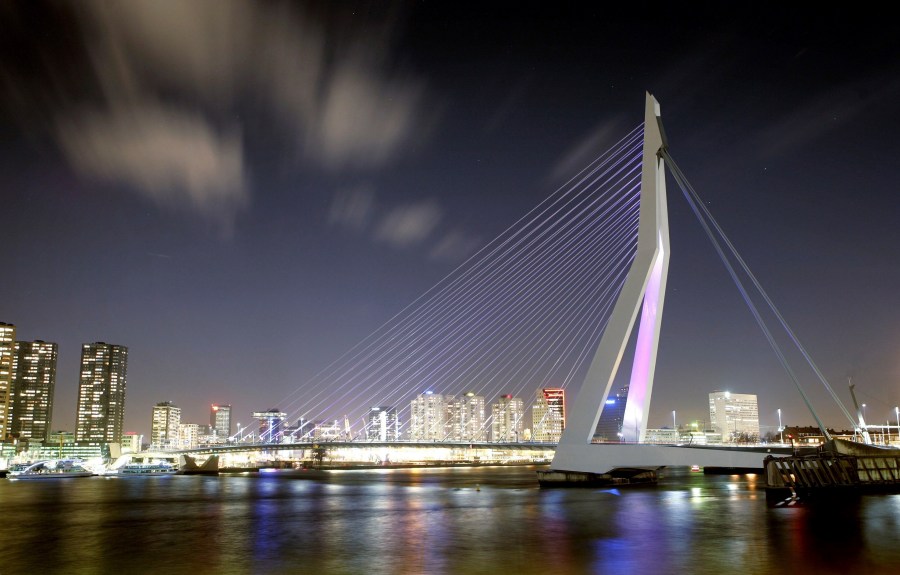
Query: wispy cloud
(455,245)
(826,112)
(409,224)
(167,81)
(585,151)
(509,104)
(352,209)
(174,158)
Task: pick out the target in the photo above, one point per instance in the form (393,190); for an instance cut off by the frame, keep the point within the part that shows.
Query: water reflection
(453,521)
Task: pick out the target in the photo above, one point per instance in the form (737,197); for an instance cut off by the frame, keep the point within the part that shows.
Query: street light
(673,420)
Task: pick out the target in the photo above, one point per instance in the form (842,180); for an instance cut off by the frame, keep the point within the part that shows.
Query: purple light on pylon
(643,357)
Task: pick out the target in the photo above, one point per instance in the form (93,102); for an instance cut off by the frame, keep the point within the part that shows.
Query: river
(465,521)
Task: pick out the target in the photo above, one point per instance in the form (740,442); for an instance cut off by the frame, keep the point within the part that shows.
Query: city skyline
(323,212)
(431,417)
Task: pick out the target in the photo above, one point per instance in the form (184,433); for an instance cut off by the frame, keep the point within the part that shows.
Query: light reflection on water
(438,521)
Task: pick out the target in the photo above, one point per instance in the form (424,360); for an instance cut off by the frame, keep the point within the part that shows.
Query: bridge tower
(644,290)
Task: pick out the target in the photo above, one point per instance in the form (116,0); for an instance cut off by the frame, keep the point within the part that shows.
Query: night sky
(240,192)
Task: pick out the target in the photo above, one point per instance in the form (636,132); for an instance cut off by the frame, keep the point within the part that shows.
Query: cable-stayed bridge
(549,304)
(521,315)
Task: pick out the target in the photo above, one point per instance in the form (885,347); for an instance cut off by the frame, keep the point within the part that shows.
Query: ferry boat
(52,469)
(147,469)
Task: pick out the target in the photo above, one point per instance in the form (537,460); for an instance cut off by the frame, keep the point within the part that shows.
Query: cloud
(410,224)
(363,119)
(509,104)
(454,246)
(584,151)
(352,209)
(174,158)
(318,83)
(328,82)
(828,111)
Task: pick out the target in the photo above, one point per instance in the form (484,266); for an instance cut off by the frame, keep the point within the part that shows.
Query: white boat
(147,469)
(52,469)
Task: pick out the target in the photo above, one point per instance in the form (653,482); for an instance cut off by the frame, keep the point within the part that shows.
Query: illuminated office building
(507,419)
(189,435)
(609,426)
(271,425)
(7,350)
(165,429)
(548,416)
(220,421)
(101,393)
(383,424)
(33,382)
(734,415)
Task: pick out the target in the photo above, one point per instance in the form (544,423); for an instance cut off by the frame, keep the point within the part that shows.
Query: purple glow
(643,357)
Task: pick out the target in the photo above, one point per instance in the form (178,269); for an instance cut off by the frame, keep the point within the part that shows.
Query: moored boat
(52,469)
(147,469)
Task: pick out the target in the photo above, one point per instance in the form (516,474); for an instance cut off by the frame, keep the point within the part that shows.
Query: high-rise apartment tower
(7,349)
(101,393)
(33,383)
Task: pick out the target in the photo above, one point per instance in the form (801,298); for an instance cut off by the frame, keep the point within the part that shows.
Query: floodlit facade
(189,435)
(132,442)
(220,421)
(33,383)
(465,418)
(548,416)
(507,419)
(735,416)
(166,426)
(428,417)
(101,393)
(7,349)
(383,424)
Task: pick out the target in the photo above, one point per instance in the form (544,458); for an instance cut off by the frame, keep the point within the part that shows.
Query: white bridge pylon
(646,283)
(644,290)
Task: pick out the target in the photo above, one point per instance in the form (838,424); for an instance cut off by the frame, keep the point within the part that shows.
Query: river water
(467,521)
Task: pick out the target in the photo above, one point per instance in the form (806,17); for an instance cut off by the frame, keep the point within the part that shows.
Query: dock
(832,473)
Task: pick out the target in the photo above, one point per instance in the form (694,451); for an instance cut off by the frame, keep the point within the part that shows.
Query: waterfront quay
(357,454)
